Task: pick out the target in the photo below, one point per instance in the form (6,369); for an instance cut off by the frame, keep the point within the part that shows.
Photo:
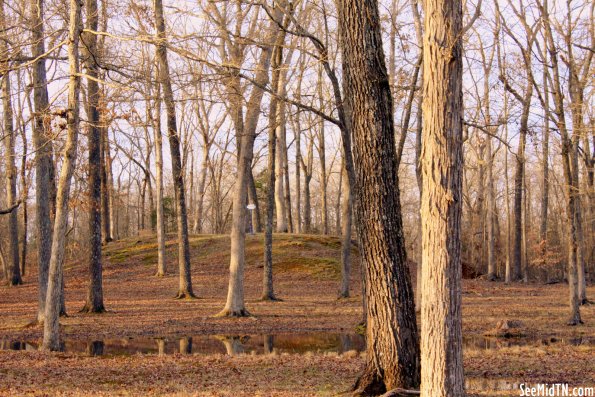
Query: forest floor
(141,308)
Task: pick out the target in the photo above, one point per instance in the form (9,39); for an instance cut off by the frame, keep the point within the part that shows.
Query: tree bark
(94,303)
(279,170)
(51,330)
(185,278)
(393,348)
(154,114)
(570,190)
(442,200)
(9,161)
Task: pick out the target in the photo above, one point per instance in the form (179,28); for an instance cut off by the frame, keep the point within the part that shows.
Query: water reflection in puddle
(492,343)
(208,344)
(299,343)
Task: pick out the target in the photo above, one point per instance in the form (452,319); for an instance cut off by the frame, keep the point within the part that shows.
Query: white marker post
(251,207)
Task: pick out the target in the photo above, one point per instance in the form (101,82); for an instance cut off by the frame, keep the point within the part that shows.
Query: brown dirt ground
(306,277)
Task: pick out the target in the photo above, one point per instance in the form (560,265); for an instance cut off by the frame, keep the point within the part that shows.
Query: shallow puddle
(300,343)
(208,344)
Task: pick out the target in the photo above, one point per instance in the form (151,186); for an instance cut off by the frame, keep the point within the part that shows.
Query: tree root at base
(233,313)
(270,298)
(185,295)
(91,310)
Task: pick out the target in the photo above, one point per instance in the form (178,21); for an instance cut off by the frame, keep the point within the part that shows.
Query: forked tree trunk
(393,356)
(9,159)
(442,200)
(235,304)
(185,288)
(51,330)
(44,166)
(94,303)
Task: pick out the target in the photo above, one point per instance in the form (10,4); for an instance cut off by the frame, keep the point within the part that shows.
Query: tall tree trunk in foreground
(51,330)
(9,158)
(94,303)
(393,344)
(442,200)
(44,166)
(274,118)
(570,189)
(185,290)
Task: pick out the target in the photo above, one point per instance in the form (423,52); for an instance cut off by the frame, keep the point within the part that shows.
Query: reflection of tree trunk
(346,344)
(186,345)
(233,345)
(95,348)
(269,342)
(160,346)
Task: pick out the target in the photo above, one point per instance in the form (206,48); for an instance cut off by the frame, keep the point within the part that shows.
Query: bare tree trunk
(51,330)
(11,170)
(113,235)
(253,197)
(545,152)
(346,225)
(307,168)
(25,197)
(570,190)
(279,179)
(442,166)
(235,305)
(44,166)
(393,356)
(185,289)
(105,191)
(286,185)
(274,117)
(198,221)
(94,303)
(322,158)
(154,114)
